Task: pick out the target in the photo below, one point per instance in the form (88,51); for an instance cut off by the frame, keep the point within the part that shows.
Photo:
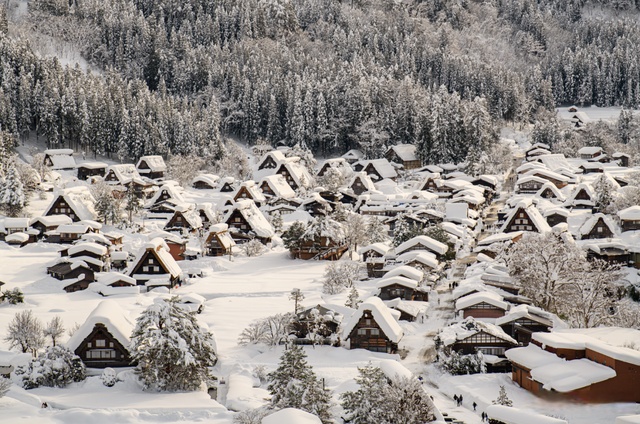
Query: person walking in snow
(460,400)
(455,397)
(474,406)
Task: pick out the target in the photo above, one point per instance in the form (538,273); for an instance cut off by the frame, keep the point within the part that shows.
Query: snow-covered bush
(109,377)
(5,385)
(503,399)
(57,367)
(251,416)
(14,296)
(172,351)
(340,275)
(272,331)
(253,248)
(457,364)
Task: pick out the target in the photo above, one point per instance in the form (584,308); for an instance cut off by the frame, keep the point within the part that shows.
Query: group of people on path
(458,400)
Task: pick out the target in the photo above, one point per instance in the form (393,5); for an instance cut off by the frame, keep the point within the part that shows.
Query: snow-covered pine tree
(12,197)
(294,385)
(107,206)
(5,385)
(172,351)
(603,194)
(503,399)
(353,300)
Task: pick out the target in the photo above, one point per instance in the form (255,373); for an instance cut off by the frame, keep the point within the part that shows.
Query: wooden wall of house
(102,343)
(368,335)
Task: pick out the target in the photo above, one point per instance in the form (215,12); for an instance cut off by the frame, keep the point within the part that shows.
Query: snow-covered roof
(155,164)
(112,316)
(52,220)
(532,212)
(588,225)
(16,223)
(52,152)
(529,312)
(480,297)
(628,419)
(94,248)
(124,173)
(469,327)
(108,278)
(589,150)
(630,214)
(93,165)
(161,251)
(279,186)
(381,248)
(73,228)
(428,242)
(364,179)
(382,167)
(171,190)
(62,162)
(291,416)
(406,152)
(529,178)
(393,369)
(413,307)
(405,271)
(567,376)
(531,356)
(401,281)
(80,200)
(499,238)
(299,173)
(425,258)
(256,219)
(17,238)
(353,154)
(381,314)
(510,415)
(252,188)
(549,186)
(547,174)
(209,179)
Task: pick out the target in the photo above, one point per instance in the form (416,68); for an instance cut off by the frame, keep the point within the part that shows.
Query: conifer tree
(12,196)
(503,399)
(172,351)
(294,385)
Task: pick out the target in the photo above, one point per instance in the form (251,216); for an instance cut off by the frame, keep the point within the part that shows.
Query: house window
(600,229)
(156,268)
(100,343)
(362,331)
(89,344)
(521,214)
(145,269)
(374,332)
(150,261)
(237,219)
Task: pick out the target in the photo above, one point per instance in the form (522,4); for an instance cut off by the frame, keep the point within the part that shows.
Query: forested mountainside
(324,74)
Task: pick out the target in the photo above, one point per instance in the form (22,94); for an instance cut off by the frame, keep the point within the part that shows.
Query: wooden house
(612,252)
(550,192)
(44,224)
(103,340)
(205,182)
(76,270)
(271,160)
(59,159)
(339,164)
(555,216)
(361,183)
(227,185)
(185,218)
(91,169)
(318,322)
(219,242)
(409,310)
(482,305)
(419,260)
(379,169)
(630,218)
(372,327)
(529,184)
(121,174)
(402,288)
(375,250)
(576,366)
(525,217)
(245,218)
(598,226)
(469,336)
(425,243)
(524,320)
(353,156)
(554,178)
(115,279)
(177,245)
(10,226)
(537,149)
(94,255)
(155,262)
(590,153)
(69,233)
(165,199)
(250,190)
(404,155)
(276,187)
(295,174)
(320,247)
(623,159)
(77,203)
(152,167)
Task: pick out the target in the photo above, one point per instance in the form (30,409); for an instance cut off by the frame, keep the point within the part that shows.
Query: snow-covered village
(315,212)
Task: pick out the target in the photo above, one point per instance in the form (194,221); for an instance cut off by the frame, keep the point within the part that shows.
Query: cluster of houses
(552,193)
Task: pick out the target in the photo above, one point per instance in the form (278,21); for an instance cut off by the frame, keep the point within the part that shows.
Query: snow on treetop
(291,416)
(510,415)
(481,297)
(381,314)
(112,316)
(405,271)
